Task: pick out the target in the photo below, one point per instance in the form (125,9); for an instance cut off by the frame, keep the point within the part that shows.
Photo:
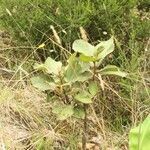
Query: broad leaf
(52,66)
(42,83)
(84,76)
(84,97)
(93,88)
(72,58)
(139,137)
(76,70)
(84,66)
(112,70)
(79,112)
(72,72)
(83,47)
(104,48)
(87,58)
(63,112)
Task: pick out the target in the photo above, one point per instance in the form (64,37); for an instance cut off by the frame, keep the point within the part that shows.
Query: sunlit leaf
(83,47)
(84,97)
(63,111)
(53,66)
(87,58)
(139,137)
(112,70)
(93,88)
(104,48)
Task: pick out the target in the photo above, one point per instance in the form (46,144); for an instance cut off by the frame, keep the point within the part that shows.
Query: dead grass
(26,120)
(23,117)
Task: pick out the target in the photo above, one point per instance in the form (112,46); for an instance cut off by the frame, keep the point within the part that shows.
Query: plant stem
(63,91)
(85,128)
(94,71)
(84,138)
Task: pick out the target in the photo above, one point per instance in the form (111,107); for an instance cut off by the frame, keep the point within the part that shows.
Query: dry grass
(26,120)
(23,117)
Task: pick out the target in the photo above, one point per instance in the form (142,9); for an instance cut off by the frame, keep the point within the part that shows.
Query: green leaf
(83,47)
(72,58)
(52,66)
(63,111)
(112,70)
(84,66)
(93,88)
(84,76)
(72,71)
(76,70)
(84,97)
(79,112)
(42,83)
(87,58)
(104,48)
(139,137)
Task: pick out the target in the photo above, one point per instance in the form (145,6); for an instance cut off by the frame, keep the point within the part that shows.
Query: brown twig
(84,138)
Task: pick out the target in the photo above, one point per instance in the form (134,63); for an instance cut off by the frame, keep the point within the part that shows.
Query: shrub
(76,85)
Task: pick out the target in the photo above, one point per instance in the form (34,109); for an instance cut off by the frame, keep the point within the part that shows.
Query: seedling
(74,86)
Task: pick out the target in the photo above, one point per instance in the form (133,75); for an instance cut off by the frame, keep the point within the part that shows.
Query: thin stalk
(84,137)
(63,91)
(94,71)
(85,128)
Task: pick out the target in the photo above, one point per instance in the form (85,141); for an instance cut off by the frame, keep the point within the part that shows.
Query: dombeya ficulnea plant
(76,84)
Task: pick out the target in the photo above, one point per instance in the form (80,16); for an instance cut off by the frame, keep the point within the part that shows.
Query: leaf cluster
(78,82)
